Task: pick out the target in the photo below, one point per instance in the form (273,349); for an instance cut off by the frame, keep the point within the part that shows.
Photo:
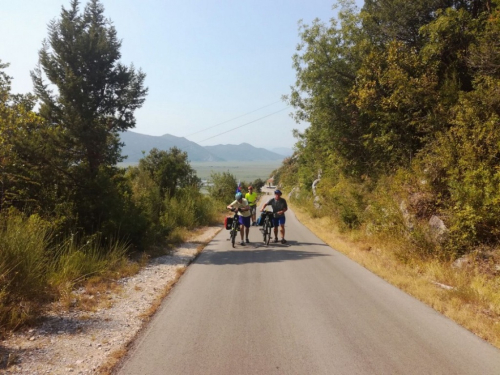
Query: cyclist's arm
(231,206)
(283,210)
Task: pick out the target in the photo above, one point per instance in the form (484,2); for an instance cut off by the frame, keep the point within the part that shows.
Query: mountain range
(136,143)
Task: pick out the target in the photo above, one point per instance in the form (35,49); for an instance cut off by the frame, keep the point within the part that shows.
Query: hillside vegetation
(403,148)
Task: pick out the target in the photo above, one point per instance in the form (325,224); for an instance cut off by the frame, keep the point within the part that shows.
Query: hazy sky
(208,62)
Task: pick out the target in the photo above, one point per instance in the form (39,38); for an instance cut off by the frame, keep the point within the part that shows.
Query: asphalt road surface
(298,308)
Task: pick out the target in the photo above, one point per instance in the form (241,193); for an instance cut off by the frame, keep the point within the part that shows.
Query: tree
(170,170)
(95,96)
(28,168)
(87,97)
(223,186)
(399,20)
(326,64)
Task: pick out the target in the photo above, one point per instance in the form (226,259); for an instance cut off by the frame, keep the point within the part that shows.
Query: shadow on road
(249,254)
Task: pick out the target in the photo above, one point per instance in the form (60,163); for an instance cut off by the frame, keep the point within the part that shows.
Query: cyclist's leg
(282,228)
(275,226)
(240,221)
(246,227)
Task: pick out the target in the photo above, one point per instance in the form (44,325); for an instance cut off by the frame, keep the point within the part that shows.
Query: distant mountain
(242,152)
(283,151)
(135,143)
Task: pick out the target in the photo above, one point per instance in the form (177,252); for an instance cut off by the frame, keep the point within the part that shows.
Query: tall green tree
(84,90)
(86,98)
(400,20)
(326,63)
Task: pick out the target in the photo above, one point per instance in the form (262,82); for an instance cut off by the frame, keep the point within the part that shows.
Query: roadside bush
(145,194)
(23,266)
(223,187)
(343,200)
(77,260)
(257,185)
(189,208)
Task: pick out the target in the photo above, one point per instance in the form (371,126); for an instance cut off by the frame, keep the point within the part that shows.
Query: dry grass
(113,359)
(469,296)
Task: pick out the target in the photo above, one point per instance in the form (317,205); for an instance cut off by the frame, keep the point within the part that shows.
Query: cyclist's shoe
(283,240)
(275,240)
(242,243)
(247,241)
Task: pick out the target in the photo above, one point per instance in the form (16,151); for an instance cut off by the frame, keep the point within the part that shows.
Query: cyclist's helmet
(238,196)
(277,192)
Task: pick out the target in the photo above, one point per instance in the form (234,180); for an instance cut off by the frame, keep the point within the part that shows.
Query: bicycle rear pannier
(228,222)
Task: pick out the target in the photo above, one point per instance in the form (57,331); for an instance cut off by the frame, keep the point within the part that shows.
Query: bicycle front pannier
(228,222)
(260,219)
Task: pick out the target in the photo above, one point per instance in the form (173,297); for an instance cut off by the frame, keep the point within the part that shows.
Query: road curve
(299,308)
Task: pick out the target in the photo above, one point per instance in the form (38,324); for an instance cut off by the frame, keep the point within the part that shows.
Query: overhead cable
(221,123)
(248,123)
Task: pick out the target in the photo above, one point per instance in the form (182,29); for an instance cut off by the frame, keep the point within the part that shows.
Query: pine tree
(87,97)
(91,96)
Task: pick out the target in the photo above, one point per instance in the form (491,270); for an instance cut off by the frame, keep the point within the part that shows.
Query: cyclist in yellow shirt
(251,197)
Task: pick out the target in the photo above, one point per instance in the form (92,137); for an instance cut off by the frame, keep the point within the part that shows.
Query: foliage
(402,101)
(170,170)
(223,187)
(86,97)
(257,185)
(188,208)
(37,265)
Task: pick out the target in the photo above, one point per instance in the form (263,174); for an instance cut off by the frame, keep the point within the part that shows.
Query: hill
(136,143)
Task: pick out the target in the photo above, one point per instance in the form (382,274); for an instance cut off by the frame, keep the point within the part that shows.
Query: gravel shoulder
(82,342)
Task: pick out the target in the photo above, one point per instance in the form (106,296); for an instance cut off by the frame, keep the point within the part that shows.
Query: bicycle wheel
(268,231)
(233,235)
(264,232)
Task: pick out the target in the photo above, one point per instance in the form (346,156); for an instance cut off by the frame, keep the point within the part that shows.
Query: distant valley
(136,143)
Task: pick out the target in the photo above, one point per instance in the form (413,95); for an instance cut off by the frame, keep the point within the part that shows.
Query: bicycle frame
(235,226)
(267,227)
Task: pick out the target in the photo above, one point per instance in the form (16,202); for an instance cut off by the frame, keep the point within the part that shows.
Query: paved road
(299,308)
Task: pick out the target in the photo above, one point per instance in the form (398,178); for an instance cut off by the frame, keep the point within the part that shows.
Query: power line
(248,123)
(258,109)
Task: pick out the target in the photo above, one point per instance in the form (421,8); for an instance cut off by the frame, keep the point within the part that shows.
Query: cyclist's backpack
(228,222)
(260,219)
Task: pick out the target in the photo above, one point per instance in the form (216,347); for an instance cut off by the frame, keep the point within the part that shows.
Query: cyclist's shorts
(244,221)
(279,221)
(253,209)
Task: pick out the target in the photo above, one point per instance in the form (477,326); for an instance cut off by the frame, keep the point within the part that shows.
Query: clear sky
(208,63)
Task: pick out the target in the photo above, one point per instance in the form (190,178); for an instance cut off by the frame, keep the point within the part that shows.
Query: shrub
(75,261)
(223,186)
(189,208)
(23,266)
